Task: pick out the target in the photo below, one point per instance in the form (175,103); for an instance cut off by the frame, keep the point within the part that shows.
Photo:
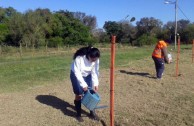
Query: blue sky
(111,10)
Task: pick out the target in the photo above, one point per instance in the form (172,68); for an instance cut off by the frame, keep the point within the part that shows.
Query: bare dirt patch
(140,99)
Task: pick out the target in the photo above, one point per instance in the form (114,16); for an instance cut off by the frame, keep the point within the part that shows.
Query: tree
(3,33)
(182,24)
(112,28)
(74,32)
(100,36)
(170,26)
(16,28)
(6,13)
(87,20)
(34,29)
(146,40)
(188,34)
(128,32)
(181,27)
(147,25)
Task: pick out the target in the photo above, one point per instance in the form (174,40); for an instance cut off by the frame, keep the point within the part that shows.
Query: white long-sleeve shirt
(82,67)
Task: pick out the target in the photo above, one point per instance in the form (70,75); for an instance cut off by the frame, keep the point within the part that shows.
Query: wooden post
(112,68)
(178,55)
(193,52)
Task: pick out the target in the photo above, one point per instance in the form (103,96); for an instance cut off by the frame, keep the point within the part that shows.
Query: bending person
(84,74)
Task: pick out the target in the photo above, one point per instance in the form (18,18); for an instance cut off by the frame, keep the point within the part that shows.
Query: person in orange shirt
(160,56)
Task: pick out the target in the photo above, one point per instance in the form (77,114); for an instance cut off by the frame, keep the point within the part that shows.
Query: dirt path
(141,100)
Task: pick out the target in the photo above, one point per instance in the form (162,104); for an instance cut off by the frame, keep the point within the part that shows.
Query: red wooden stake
(112,68)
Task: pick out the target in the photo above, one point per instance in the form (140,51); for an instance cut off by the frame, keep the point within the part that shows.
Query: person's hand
(169,61)
(85,89)
(95,88)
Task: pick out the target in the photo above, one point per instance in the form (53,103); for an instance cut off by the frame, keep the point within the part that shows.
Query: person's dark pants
(159,65)
(78,90)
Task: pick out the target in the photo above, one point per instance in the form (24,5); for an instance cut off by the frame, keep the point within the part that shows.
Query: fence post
(112,80)
(193,52)
(178,55)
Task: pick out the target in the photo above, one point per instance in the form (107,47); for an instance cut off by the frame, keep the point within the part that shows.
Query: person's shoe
(93,116)
(78,110)
(79,119)
(158,78)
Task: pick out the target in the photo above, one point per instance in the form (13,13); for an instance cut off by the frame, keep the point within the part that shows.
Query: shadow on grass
(137,73)
(58,104)
(103,123)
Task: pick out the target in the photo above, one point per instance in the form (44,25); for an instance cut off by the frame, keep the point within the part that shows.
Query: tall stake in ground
(112,80)
(178,55)
(193,51)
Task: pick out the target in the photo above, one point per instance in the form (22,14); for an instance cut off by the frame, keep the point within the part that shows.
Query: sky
(111,10)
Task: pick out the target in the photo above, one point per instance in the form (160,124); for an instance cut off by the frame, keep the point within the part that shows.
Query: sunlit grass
(18,74)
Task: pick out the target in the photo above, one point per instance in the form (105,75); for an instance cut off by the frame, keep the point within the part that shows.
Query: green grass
(124,56)
(18,74)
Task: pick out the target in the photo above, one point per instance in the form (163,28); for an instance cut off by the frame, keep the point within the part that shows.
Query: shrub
(146,40)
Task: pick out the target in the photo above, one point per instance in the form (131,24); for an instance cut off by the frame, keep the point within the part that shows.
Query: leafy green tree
(16,29)
(3,33)
(74,32)
(55,42)
(112,28)
(182,24)
(188,34)
(87,20)
(181,29)
(147,25)
(170,27)
(47,20)
(101,36)
(128,32)
(146,40)
(5,13)
(35,28)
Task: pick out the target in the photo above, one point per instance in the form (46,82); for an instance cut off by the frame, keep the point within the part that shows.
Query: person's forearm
(164,50)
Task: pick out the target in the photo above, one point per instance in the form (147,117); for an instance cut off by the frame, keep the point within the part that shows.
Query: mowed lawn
(20,73)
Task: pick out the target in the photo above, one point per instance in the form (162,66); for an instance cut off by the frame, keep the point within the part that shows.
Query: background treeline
(41,27)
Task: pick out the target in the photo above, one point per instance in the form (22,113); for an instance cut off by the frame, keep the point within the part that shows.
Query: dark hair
(168,41)
(88,51)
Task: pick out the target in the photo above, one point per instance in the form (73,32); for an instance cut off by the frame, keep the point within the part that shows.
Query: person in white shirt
(84,74)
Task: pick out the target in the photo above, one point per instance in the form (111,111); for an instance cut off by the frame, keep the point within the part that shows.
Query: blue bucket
(90,99)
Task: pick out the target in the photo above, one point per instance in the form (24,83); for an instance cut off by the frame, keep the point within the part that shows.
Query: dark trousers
(159,66)
(77,89)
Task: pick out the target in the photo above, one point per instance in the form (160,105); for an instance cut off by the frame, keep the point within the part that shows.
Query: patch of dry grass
(140,100)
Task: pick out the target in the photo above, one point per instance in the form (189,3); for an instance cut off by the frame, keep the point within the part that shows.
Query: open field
(141,100)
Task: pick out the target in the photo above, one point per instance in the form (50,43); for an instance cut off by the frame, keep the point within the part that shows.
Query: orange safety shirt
(158,49)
